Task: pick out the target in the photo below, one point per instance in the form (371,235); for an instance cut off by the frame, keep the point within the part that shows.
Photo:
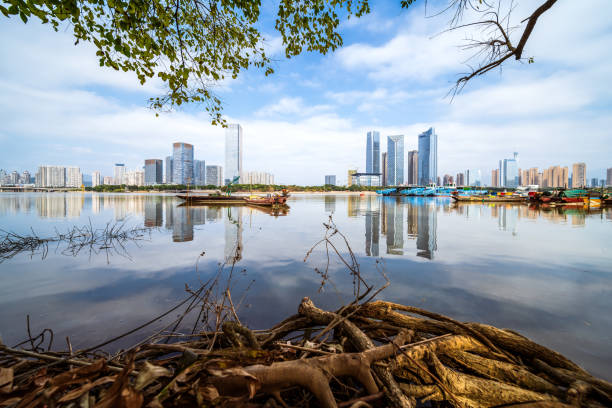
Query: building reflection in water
(393,225)
(233,234)
(153,212)
(330,203)
(427,225)
(372,226)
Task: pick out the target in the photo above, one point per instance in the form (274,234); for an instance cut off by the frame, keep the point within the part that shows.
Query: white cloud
(291,106)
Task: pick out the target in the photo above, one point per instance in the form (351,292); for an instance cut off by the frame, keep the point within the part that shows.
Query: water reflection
(541,271)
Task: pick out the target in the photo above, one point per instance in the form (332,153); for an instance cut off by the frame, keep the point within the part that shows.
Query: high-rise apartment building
(428,157)
(555,176)
(233,152)
(383,164)
(25,177)
(257,177)
(168,174)
(579,178)
(108,180)
(609,177)
(495,178)
(395,160)
(214,175)
(413,167)
(595,182)
(330,180)
(373,152)
(153,172)
(96,179)
(533,176)
(460,179)
(51,176)
(182,163)
(119,173)
(199,172)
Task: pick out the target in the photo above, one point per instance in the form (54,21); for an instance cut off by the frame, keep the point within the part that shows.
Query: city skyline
(315,109)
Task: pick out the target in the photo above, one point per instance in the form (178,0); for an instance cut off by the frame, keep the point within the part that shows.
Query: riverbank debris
(376,353)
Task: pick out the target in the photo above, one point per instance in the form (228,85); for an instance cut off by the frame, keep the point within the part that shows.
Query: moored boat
(211,199)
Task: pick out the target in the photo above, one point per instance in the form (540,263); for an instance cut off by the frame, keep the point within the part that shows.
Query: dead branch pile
(371,354)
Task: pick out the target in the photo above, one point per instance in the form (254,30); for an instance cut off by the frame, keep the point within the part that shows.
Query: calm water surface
(545,273)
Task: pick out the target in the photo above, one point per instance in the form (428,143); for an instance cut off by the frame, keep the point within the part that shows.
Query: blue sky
(310,118)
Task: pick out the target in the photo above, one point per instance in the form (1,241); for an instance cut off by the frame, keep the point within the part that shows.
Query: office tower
(495,178)
(373,152)
(609,177)
(501,174)
(384,169)
(96,179)
(594,182)
(510,172)
(153,172)
(233,152)
(428,157)
(330,180)
(413,167)
(214,175)
(350,177)
(168,175)
(395,160)
(199,172)
(182,163)
(119,173)
(579,175)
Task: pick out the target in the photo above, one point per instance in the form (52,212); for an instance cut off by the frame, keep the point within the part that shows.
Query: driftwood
(424,358)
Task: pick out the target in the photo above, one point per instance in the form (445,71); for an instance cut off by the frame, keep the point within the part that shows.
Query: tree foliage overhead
(191,45)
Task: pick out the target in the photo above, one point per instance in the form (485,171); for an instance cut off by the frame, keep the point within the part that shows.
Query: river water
(546,273)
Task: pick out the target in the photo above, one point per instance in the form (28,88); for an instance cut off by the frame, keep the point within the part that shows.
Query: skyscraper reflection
(233,234)
(153,212)
(372,226)
(427,225)
(330,203)
(393,225)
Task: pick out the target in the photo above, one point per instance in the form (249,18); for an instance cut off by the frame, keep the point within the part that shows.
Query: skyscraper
(214,175)
(168,175)
(428,157)
(199,172)
(233,152)
(495,178)
(330,180)
(413,167)
(119,173)
(51,176)
(74,178)
(182,163)
(579,175)
(609,177)
(373,152)
(384,169)
(395,160)
(153,172)
(511,172)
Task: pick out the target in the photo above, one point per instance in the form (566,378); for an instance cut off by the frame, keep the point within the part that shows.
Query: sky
(310,118)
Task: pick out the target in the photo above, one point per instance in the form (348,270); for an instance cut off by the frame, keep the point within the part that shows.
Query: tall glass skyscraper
(413,167)
(153,171)
(510,174)
(233,152)
(168,175)
(182,163)
(395,160)
(428,157)
(373,152)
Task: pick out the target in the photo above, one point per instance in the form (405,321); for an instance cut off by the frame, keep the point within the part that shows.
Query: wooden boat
(211,199)
(269,201)
(488,199)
